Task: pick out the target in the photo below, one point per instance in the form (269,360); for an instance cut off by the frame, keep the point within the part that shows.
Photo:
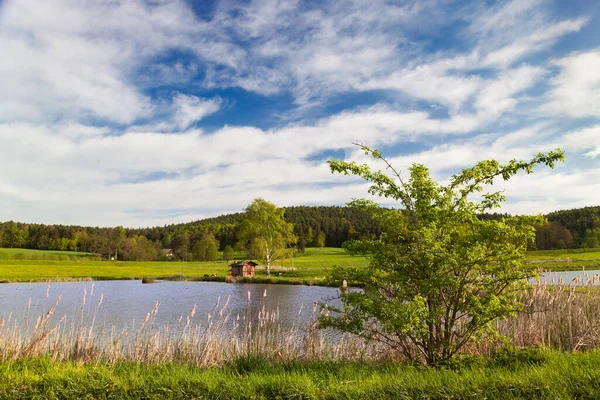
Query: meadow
(311,267)
(565,260)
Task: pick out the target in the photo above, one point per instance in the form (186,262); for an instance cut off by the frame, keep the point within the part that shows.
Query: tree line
(315,226)
(200,240)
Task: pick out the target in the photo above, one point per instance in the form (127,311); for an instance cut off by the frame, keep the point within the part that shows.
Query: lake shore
(310,268)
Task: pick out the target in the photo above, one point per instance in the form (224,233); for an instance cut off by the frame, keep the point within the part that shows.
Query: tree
(320,240)
(553,235)
(14,237)
(228,253)
(309,236)
(438,276)
(116,239)
(206,249)
(265,233)
(301,244)
(181,246)
(591,238)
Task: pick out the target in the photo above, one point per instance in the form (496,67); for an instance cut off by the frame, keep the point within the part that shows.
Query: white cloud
(497,96)
(78,60)
(575,91)
(428,83)
(532,42)
(190,109)
(584,139)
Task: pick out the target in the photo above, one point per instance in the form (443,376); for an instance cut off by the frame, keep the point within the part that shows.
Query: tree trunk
(267,261)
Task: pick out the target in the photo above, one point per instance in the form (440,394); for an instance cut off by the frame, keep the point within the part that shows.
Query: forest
(315,226)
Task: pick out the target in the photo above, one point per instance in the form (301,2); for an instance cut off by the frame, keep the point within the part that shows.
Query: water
(125,304)
(591,277)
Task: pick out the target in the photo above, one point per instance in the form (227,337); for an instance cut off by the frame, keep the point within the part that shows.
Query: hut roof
(242,263)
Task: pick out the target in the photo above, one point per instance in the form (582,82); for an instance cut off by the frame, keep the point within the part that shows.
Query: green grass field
(42,253)
(564,260)
(538,374)
(310,267)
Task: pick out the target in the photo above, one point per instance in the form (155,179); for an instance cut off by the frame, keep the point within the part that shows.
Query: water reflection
(125,304)
(579,278)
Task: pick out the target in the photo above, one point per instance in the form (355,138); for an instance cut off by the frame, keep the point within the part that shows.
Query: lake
(125,304)
(581,277)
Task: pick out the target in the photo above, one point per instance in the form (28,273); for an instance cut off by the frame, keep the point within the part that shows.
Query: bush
(438,276)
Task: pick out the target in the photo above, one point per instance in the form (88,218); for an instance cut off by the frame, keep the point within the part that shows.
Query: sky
(145,113)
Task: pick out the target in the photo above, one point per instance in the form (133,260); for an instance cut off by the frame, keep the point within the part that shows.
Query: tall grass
(219,337)
(563,317)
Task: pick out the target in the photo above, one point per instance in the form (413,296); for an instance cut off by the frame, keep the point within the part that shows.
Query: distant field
(563,260)
(41,253)
(309,268)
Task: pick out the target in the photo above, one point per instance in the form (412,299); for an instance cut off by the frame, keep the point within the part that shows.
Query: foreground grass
(548,375)
(311,268)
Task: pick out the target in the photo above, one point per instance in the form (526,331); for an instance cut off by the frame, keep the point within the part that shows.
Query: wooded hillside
(315,226)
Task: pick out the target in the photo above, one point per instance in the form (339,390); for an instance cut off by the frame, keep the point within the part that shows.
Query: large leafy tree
(265,233)
(116,239)
(206,249)
(14,236)
(438,275)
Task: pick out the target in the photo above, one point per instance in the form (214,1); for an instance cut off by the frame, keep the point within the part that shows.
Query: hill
(316,226)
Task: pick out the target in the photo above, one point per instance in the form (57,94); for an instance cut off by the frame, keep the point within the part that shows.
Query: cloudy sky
(142,113)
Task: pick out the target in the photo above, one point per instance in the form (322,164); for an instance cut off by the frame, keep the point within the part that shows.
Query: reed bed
(215,339)
(563,317)
(559,315)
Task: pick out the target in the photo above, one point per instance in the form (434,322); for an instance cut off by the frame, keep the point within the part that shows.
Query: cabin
(243,268)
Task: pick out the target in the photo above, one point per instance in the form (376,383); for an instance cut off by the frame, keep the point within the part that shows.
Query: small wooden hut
(243,268)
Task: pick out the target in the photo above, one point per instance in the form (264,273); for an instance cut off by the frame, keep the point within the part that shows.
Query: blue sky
(143,113)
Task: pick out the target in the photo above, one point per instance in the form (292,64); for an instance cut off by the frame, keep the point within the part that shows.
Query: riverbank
(530,374)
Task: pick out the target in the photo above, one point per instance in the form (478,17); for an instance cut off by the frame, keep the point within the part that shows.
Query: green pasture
(34,270)
(565,260)
(310,267)
(541,374)
(5,253)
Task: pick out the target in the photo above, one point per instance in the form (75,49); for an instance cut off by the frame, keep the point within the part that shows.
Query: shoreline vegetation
(550,350)
(310,268)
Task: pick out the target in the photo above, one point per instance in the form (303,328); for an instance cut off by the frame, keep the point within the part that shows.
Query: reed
(219,338)
(563,317)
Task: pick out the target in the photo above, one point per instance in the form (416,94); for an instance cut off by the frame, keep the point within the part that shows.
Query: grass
(552,375)
(308,268)
(43,252)
(565,260)
(311,268)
